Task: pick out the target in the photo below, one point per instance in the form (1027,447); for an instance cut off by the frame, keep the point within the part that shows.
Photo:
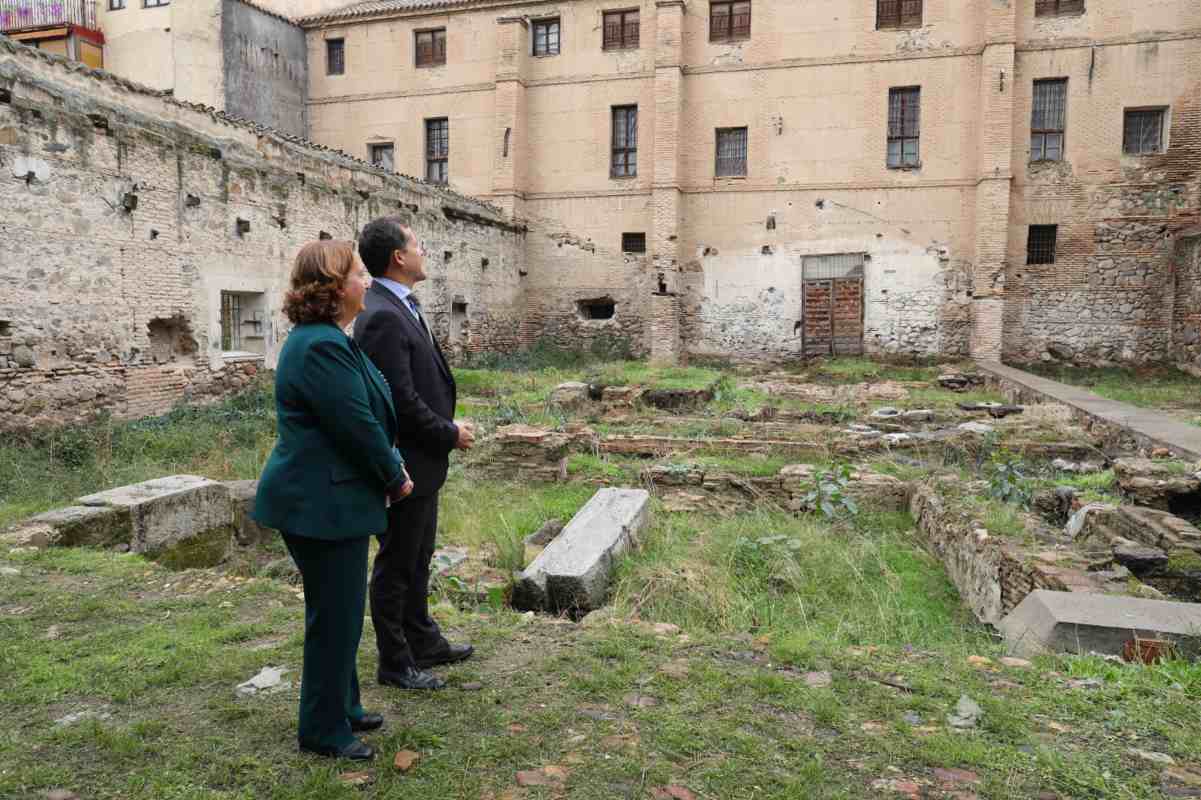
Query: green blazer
(334,460)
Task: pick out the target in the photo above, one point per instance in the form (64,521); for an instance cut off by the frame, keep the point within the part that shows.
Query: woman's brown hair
(317,277)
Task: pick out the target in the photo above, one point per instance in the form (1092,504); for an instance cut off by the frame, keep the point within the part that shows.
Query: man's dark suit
(423,392)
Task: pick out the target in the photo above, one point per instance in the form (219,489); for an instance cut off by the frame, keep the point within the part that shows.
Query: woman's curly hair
(317,279)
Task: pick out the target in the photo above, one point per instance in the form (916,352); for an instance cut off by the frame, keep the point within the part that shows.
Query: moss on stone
(1187,561)
(206,550)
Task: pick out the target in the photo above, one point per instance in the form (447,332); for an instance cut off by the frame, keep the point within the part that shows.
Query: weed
(829,493)
(1007,480)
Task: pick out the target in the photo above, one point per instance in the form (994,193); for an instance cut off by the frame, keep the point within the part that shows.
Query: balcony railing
(20,15)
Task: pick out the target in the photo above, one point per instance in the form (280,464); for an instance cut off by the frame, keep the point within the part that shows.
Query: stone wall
(1186,331)
(129,216)
(265,60)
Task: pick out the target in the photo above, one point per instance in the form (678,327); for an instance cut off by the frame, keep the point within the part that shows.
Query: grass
(847,369)
(1163,387)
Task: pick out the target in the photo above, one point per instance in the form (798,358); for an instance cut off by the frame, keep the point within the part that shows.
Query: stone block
(573,572)
(182,520)
(1083,622)
(73,526)
(1158,484)
(869,489)
(570,395)
(674,399)
(247,531)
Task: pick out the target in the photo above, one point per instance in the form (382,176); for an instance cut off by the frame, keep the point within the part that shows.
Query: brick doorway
(832,305)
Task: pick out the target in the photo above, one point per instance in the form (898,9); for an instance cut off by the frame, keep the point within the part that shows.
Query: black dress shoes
(410,678)
(367,722)
(448,654)
(355,751)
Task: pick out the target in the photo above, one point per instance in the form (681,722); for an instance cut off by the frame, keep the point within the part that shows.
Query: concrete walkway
(1153,426)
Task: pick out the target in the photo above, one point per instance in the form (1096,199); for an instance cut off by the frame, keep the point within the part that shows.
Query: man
(395,335)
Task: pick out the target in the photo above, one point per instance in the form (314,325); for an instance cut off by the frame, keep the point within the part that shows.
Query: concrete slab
(246,530)
(73,526)
(182,520)
(572,573)
(1081,622)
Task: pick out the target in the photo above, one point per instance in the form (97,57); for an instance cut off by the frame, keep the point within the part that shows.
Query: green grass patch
(1147,387)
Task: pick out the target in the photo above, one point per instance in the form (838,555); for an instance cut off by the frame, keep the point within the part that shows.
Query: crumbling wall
(265,60)
(132,221)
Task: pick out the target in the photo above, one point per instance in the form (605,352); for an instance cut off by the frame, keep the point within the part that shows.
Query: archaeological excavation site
(846,443)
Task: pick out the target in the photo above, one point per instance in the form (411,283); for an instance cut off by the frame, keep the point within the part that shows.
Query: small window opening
(243,322)
(633,243)
(458,320)
(242,226)
(6,328)
(1040,244)
(600,308)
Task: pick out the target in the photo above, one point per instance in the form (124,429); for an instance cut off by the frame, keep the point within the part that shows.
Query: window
(437,150)
(1040,244)
(904,126)
(155,3)
(1047,120)
(729,21)
(1143,132)
(1054,8)
(335,56)
(243,317)
(546,37)
(599,308)
(383,156)
(624,161)
(898,14)
(116,5)
(731,152)
(431,47)
(633,243)
(231,321)
(620,30)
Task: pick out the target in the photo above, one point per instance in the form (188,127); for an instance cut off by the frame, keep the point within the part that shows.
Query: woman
(325,487)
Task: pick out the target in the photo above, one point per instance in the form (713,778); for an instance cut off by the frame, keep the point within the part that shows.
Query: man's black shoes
(447,654)
(410,678)
(367,722)
(355,751)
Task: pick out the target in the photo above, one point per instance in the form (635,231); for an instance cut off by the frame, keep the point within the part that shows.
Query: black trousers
(400,582)
(335,593)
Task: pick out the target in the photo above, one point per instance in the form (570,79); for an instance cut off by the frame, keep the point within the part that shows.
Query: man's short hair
(377,241)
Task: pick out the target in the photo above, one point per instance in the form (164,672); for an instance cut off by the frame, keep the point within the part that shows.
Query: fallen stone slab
(976,427)
(247,530)
(673,399)
(994,410)
(182,520)
(572,573)
(1082,622)
(571,395)
(73,526)
(959,381)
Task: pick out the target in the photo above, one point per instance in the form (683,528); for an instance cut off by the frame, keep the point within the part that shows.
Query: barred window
(621,30)
(633,243)
(1055,8)
(731,152)
(231,321)
(729,20)
(904,126)
(1040,244)
(1047,120)
(437,150)
(1142,132)
(383,156)
(546,37)
(898,14)
(116,5)
(431,47)
(155,3)
(624,146)
(335,56)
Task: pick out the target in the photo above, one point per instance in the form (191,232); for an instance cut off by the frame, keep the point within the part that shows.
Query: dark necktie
(415,304)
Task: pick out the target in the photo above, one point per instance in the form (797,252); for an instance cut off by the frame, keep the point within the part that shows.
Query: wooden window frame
(546,23)
(903,134)
(718,171)
(116,5)
(623,153)
(155,3)
(437,159)
(728,31)
(1041,135)
(432,58)
(1042,251)
(632,238)
(1058,8)
(329,48)
(624,39)
(1161,112)
(894,15)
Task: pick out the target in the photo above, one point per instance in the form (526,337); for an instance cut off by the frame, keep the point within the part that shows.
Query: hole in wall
(153,234)
(170,338)
(483,263)
(324,235)
(447,255)
(6,328)
(6,96)
(597,308)
(242,226)
(192,201)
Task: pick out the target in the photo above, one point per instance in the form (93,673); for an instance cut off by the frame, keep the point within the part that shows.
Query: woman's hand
(403,490)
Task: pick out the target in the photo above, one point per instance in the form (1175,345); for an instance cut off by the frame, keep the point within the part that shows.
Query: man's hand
(403,490)
(466,435)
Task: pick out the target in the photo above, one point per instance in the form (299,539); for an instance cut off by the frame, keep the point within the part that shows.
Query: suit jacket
(334,461)
(423,388)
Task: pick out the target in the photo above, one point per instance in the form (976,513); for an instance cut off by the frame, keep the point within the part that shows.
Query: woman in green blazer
(326,486)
